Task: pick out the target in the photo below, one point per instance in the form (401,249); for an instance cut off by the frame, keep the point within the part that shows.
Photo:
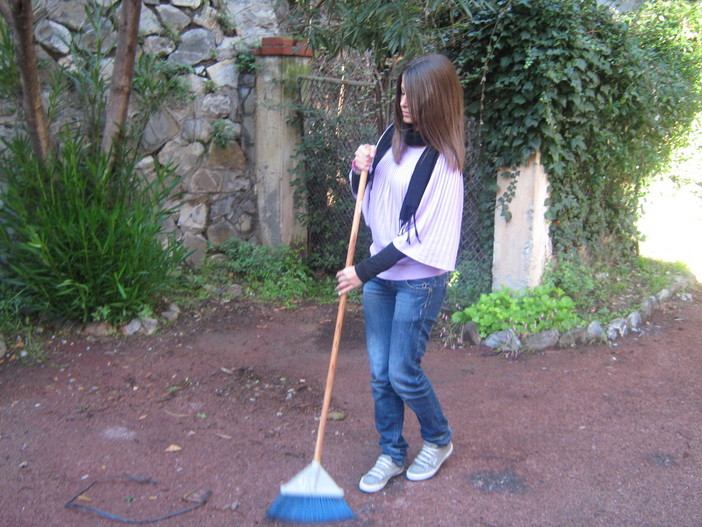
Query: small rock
(679,283)
(118,432)
(149,325)
(235,290)
(336,416)
(634,320)
(646,308)
(595,332)
(170,315)
(470,333)
(131,328)
(573,338)
(665,295)
(172,312)
(504,340)
(543,340)
(98,329)
(617,328)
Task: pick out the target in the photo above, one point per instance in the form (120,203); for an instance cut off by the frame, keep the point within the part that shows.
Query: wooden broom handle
(339,321)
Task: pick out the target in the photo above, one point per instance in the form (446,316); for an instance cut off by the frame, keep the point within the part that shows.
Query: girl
(413,206)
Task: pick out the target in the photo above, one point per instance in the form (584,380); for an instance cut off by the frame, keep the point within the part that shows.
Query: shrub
(605,102)
(525,312)
(273,273)
(80,239)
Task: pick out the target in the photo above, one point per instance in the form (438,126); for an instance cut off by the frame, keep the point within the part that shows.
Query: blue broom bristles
(311,496)
(309,509)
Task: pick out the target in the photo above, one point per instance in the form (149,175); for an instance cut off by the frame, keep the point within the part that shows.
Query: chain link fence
(338,116)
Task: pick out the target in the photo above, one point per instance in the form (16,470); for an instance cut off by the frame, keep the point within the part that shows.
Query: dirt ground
(224,401)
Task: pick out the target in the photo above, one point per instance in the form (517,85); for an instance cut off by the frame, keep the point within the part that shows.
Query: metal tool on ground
(312,495)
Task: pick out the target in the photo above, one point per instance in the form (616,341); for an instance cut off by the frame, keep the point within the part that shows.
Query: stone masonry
(218,180)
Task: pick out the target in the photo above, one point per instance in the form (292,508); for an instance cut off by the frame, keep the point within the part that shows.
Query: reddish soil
(225,401)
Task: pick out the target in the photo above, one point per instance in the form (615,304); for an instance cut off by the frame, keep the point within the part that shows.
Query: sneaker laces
(427,456)
(381,468)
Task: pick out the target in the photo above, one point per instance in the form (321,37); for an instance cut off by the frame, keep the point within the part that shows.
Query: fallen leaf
(173,448)
(142,417)
(195,496)
(84,498)
(223,436)
(336,416)
(173,414)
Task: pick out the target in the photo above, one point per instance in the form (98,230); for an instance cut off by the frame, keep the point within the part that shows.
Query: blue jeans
(399,316)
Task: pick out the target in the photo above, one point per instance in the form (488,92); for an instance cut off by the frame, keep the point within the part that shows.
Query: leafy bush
(525,312)
(604,102)
(81,233)
(274,273)
(80,239)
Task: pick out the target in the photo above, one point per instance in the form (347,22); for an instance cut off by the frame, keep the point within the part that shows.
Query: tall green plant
(81,237)
(80,241)
(9,75)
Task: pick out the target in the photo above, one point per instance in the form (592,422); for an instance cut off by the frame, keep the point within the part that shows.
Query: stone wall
(218,182)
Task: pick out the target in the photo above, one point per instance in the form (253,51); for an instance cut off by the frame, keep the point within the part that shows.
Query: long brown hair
(435,100)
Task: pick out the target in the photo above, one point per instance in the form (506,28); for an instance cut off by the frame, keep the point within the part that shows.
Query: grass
(275,275)
(606,292)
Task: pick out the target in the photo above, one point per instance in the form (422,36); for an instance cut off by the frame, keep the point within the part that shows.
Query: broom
(312,496)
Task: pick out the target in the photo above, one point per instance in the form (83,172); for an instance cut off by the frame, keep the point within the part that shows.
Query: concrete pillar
(522,245)
(279,61)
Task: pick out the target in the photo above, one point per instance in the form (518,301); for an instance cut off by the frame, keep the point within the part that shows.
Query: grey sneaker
(429,461)
(383,470)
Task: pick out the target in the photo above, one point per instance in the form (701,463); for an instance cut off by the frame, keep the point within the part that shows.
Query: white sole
(370,489)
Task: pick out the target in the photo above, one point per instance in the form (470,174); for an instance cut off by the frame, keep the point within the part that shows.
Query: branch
(122,76)
(22,27)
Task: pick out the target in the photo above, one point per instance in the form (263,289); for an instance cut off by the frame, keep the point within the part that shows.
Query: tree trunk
(18,15)
(123,73)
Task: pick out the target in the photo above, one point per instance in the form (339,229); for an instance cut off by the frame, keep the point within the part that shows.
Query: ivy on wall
(604,98)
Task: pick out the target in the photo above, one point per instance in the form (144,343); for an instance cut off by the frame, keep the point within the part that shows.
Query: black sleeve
(355,181)
(382,261)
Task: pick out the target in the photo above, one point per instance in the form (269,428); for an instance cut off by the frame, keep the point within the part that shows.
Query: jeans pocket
(420,284)
(431,283)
